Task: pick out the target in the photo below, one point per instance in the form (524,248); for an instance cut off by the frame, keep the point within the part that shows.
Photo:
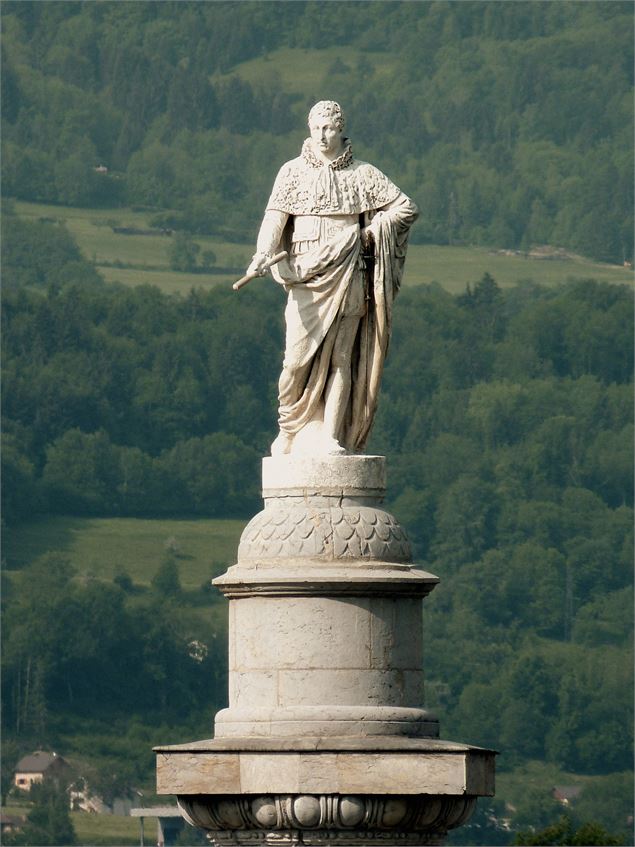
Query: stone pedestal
(325,739)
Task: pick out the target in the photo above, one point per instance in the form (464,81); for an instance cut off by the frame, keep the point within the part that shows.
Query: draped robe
(328,278)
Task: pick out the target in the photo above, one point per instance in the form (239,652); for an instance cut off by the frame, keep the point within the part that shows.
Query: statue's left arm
(388,228)
(400,213)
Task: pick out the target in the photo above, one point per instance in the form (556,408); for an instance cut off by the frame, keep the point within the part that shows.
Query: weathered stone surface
(325,609)
(327,721)
(288,530)
(276,578)
(405,771)
(343,476)
(324,509)
(315,819)
(362,633)
(375,744)
(320,654)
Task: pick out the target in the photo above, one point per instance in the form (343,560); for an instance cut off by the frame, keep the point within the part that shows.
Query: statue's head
(328,109)
(326,123)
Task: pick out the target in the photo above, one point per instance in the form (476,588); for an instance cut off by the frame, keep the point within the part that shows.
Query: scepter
(248,277)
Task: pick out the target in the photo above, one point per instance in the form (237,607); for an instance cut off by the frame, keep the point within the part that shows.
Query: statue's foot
(282,445)
(332,447)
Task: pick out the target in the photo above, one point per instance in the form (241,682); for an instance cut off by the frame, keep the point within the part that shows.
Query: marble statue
(344,226)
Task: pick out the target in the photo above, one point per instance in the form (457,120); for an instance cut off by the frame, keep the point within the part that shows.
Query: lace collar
(343,160)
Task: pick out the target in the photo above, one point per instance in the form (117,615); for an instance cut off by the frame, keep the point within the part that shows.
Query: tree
(182,252)
(564,832)
(10,755)
(208,258)
(166,580)
(49,821)
(41,253)
(81,473)
(76,180)
(20,495)
(466,520)
(609,802)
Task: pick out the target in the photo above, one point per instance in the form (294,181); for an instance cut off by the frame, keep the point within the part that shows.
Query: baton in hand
(248,277)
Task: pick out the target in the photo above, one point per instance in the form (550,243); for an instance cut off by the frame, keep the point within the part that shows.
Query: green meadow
(113,830)
(305,71)
(101,830)
(102,547)
(144,261)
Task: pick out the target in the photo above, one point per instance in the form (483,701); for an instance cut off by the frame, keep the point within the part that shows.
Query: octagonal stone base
(325,791)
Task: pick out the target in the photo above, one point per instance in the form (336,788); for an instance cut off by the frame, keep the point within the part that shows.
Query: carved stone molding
(287,532)
(326,819)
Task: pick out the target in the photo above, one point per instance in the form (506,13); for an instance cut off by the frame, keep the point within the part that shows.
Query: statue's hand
(259,263)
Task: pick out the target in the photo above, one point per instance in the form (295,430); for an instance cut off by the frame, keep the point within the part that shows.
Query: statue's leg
(286,396)
(290,387)
(338,387)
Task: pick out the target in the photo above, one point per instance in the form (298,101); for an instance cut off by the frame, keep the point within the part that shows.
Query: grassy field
(450,267)
(97,830)
(535,775)
(100,547)
(145,257)
(100,830)
(305,71)
(454,267)
(170,282)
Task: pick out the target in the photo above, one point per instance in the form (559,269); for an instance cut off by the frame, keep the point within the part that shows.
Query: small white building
(36,766)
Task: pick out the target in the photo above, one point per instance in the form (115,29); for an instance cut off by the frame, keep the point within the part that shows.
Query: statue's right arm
(269,237)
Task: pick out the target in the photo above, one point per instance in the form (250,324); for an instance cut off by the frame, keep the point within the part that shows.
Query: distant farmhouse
(36,766)
(11,823)
(42,765)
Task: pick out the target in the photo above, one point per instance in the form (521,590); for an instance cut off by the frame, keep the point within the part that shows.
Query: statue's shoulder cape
(302,188)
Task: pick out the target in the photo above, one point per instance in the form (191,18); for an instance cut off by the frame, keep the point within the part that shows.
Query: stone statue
(344,226)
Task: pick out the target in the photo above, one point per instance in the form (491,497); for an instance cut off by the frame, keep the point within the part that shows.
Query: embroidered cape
(346,186)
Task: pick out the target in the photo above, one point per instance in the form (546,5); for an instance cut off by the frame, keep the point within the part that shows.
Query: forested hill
(509,123)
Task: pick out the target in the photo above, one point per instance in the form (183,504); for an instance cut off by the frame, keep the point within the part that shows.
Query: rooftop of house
(11,820)
(37,762)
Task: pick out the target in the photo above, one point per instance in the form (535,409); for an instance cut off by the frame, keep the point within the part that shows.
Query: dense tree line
(510,124)
(111,651)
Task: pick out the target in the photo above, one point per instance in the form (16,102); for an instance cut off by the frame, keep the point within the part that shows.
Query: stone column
(325,739)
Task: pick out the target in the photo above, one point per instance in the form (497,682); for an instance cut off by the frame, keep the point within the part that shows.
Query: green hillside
(102,548)
(305,72)
(510,124)
(143,260)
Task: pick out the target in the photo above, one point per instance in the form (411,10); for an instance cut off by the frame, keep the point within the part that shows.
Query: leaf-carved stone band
(326,819)
(285,531)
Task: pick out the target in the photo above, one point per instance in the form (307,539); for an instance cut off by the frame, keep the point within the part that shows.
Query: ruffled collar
(343,160)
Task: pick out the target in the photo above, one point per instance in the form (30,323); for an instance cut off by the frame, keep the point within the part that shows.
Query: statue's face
(326,136)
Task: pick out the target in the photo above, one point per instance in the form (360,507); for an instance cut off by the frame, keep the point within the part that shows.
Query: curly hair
(328,109)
